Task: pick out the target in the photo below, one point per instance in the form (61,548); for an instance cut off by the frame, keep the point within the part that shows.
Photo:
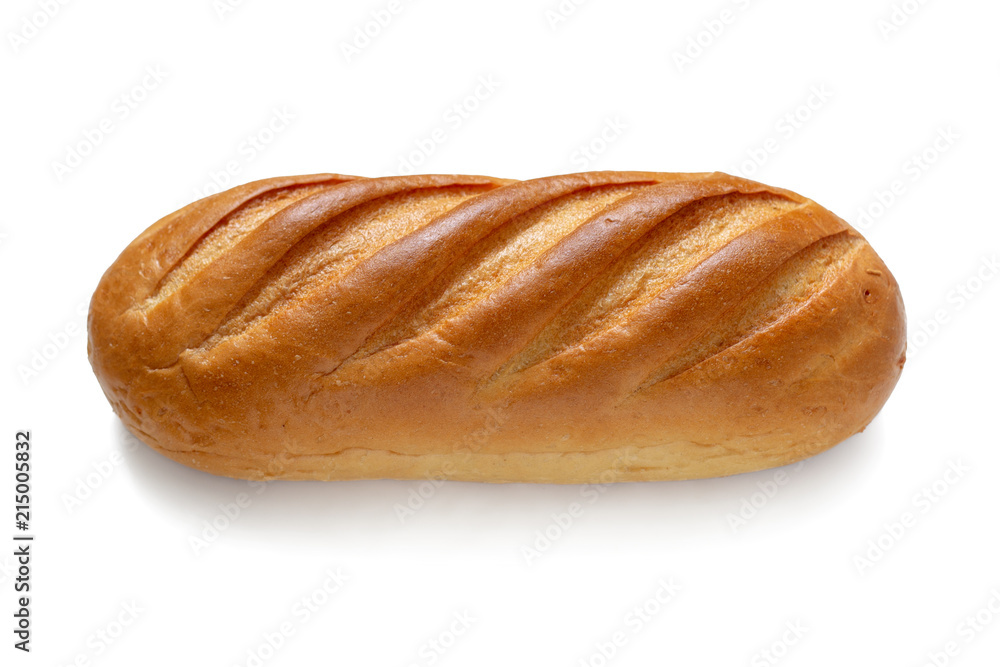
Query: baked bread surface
(595,327)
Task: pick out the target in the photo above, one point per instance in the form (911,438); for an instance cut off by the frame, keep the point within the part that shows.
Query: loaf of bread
(596,327)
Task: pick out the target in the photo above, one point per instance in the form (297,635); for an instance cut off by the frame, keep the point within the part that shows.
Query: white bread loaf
(580,328)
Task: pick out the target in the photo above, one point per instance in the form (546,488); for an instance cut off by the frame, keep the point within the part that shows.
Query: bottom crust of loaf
(665,462)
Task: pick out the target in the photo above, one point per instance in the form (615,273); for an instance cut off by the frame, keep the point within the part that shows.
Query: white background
(114,521)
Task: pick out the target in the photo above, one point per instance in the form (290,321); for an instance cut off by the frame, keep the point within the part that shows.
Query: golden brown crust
(577,328)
